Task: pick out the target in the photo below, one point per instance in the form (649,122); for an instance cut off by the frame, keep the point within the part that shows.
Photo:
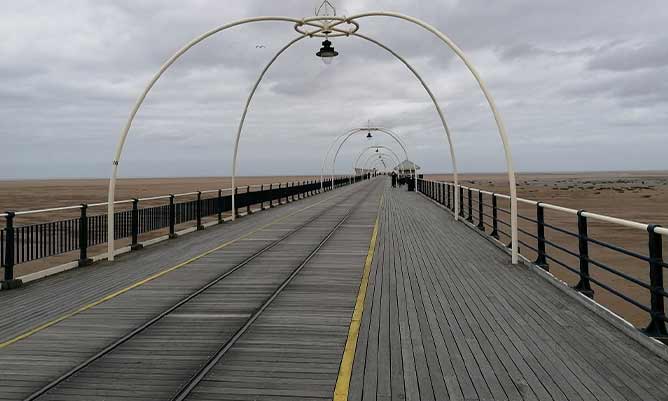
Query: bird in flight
(260,46)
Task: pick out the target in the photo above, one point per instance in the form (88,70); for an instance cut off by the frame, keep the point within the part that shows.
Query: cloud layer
(580,87)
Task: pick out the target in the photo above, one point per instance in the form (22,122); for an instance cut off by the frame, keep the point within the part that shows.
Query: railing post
(470,206)
(481,224)
(10,246)
(236,204)
(135,245)
(248,197)
(198,211)
(461,201)
(271,195)
(219,203)
(541,260)
(172,217)
(657,324)
(448,190)
(495,218)
(583,245)
(261,196)
(84,260)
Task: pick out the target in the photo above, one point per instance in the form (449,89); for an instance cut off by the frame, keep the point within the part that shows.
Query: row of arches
(329,26)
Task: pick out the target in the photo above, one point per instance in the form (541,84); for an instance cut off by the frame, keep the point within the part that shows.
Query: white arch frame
(392,52)
(374,164)
(357,159)
(391,159)
(378,129)
(383,156)
(396,138)
(321,24)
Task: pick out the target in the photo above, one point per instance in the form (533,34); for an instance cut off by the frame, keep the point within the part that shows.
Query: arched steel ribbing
(377,147)
(347,135)
(320,26)
(380,129)
(391,156)
(392,52)
(378,156)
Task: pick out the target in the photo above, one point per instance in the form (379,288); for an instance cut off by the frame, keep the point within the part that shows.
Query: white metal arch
(394,136)
(380,129)
(393,159)
(392,52)
(357,159)
(126,129)
(321,24)
(492,105)
(377,156)
(376,165)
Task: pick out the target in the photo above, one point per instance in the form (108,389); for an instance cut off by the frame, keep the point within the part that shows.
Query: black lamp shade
(327,50)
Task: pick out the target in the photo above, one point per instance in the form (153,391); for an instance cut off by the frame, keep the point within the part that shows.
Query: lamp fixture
(327,52)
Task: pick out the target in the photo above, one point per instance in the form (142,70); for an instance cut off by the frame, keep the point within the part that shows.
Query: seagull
(260,46)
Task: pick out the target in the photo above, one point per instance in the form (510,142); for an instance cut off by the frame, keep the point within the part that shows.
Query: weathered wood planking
(448,317)
(64,345)
(294,350)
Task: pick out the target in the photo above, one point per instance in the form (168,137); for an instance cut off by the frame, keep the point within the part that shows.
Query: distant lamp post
(327,52)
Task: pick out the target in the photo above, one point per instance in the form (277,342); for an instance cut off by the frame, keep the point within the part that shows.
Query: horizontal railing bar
(154,198)
(562,264)
(618,273)
(527,218)
(186,194)
(561,230)
(527,245)
(608,219)
(527,233)
(503,222)
(620,295)
(120,202)
(618,249)
(561,248)
(53,209)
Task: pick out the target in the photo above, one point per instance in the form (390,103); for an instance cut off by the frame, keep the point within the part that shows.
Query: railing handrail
(124,201)
(596,216)
(440,191)
(32,241)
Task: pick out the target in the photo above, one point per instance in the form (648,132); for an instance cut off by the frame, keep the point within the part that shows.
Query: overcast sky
(581,86)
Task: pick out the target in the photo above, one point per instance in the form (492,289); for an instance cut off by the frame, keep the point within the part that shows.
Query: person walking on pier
(394,179)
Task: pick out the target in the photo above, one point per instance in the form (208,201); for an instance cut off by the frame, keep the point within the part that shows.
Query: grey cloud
(630,58)
(560,72)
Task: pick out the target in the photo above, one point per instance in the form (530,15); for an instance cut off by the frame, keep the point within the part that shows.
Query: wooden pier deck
(267,308)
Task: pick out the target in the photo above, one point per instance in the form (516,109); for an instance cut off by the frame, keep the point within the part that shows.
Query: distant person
(394,179)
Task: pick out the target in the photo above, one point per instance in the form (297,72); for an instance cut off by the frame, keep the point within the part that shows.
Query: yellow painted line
(346,367)
(148,279)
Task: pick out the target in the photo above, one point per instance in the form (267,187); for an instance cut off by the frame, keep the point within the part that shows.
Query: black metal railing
(22,243)
(539,243)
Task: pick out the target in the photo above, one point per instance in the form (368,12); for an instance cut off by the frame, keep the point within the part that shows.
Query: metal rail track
(220,352)
(187,389)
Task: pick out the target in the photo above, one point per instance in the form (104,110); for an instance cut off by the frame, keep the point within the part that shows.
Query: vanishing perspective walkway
(267,308)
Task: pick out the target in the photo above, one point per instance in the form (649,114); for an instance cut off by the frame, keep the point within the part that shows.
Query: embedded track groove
(191,382)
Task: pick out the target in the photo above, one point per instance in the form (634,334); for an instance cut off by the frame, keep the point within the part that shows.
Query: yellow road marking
(346,367)
(148,279)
